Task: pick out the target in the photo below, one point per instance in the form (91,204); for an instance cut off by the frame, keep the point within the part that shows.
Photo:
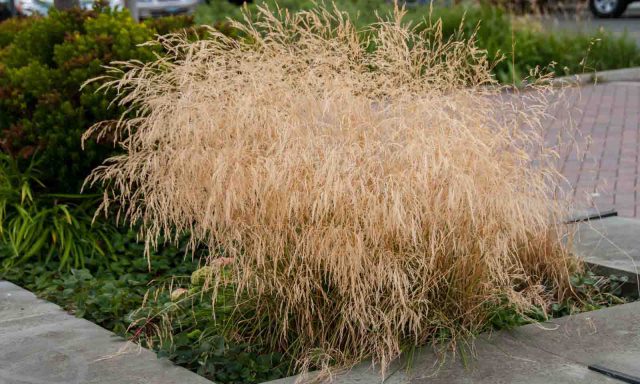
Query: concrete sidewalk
(611,244)
(556,352)
(42,344)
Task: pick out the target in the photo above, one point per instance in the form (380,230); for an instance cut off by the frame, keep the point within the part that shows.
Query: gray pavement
(42,344)
(613,244)
(555,352)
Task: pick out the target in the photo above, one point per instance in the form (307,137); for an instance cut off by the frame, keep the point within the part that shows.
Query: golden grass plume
(374,188)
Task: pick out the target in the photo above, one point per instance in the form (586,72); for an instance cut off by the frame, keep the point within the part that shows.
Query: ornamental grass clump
(369,189)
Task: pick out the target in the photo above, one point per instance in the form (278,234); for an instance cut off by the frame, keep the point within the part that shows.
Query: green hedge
(43,64)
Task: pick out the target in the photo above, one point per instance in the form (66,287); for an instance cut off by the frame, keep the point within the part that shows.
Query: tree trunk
(65,4)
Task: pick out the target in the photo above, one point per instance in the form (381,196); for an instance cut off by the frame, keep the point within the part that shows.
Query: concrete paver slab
(603,168)
(609,337)
(612,243)
(500,359)
(554,352)
(14,300)
(363,373)
(41,344)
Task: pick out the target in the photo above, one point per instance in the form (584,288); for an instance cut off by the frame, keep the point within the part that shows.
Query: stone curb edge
(624,74)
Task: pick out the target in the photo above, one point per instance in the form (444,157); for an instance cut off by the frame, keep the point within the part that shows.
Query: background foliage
(41,71)
(523,42)
(43,63)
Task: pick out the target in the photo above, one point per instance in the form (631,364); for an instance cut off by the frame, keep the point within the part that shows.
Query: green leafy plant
(104,294)
(593,292)
(169,24)
(10,27)
(182,322)
(46,227)
(43,63)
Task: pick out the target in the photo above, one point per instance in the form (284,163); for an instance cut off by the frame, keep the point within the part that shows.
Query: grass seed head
(373,189)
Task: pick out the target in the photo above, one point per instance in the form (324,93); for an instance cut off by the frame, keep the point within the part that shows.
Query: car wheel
(607,8)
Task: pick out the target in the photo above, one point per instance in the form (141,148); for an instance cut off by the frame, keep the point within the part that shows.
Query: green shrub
(43,63)
(42,70)
(526,45)
(169,24)
(10,27)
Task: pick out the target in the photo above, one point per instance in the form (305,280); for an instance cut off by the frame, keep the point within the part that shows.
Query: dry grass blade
(374,188)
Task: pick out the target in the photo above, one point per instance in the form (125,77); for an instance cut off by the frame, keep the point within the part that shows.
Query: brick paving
(603,172)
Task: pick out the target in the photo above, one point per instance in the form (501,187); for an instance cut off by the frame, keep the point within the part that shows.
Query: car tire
(608,8)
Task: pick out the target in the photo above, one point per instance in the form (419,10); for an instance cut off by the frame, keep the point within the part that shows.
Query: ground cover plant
(175,319)
(522,40)
(358,195)
(133,299)
(180,326)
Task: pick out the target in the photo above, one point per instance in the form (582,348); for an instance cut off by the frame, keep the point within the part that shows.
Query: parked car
(6,9)
(146,8)
(156,8)
(41,7)
(608,8)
